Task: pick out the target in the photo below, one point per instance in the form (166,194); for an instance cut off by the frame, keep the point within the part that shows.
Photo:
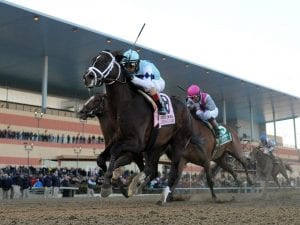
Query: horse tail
(288,167)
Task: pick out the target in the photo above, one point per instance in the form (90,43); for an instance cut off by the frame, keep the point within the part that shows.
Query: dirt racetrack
(281,207)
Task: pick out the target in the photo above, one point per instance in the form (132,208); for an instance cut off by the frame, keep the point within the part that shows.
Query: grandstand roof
(25,41)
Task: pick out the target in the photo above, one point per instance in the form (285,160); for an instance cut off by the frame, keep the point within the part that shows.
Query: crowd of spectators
(47,137)
(16,182)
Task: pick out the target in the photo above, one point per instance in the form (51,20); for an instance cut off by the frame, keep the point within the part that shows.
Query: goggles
(130,64)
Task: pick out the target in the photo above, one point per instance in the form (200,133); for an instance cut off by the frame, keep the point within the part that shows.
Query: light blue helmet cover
(131,55)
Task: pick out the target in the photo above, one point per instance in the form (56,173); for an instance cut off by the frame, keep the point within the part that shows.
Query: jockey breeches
(208,114)
(148,85)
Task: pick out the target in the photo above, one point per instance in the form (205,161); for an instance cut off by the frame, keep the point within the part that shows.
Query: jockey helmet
(130,62)
(131,55)
(263,138)
(193,90)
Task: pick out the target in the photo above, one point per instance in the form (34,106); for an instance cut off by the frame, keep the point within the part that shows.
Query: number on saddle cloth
(167,119)
(225,135)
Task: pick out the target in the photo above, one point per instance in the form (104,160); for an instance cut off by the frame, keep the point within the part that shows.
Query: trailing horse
(267,168)
(218,150)
(97,106)
(134,123)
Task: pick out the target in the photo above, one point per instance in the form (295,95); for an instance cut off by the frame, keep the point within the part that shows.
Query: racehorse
(218,152)
(134,122)
(266,167)
(96,106)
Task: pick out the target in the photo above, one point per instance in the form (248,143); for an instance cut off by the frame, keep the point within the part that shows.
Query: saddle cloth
(161,120)
(169,118)
(225,136)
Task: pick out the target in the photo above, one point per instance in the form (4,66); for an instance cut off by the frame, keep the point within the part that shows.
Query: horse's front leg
(149,172)
(106,188)
(103,157)
(117,179)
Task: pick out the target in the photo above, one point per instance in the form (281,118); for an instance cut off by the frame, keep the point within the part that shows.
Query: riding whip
(138,35)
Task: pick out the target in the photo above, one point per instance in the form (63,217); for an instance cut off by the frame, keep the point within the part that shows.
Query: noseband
(101,77)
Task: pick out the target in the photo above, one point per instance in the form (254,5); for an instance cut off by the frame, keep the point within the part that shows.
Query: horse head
(94,106)
(105,69)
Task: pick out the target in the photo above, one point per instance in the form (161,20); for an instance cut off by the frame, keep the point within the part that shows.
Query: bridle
(101,76)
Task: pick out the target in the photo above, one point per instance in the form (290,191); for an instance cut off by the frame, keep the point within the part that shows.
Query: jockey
(145,75)
(268,145)
(204,106)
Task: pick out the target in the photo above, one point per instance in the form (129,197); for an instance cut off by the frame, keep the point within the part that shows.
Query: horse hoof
(106,191)
(134,185)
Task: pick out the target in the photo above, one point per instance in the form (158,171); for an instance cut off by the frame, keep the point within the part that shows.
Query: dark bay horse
(96,106)
(134,122)
(217,153)
(267,168)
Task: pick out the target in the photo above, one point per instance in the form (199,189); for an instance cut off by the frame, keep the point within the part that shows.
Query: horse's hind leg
(174,177)
(284,173)
(274,175)
(243,162)
(209,179)
(228,168)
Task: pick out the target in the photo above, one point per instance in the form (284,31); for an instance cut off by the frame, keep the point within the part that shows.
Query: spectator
(65,183)
(55,184)
(25,185)
(91,185)
(47,183)
(16,185)
(6,185)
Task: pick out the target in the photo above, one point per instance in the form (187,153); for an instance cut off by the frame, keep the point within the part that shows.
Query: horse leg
(102,158)
(168,193)
(177,165)
(117,173)
(149,172)
(106,188)
(139,161)
(242,161)
(209,179)
(274,175)
(227,167)
(284,173)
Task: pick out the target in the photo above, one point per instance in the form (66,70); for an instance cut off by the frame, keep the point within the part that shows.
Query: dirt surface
(281,207)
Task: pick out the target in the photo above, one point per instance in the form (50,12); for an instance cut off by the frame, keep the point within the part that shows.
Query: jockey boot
(215,125)
(160,105)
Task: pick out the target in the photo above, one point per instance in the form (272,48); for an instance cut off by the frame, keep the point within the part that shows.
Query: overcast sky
(255,40)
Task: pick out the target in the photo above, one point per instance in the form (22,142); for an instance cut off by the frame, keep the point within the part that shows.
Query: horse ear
(118,55)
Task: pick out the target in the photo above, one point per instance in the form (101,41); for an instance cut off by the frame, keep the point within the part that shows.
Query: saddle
(161,120)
